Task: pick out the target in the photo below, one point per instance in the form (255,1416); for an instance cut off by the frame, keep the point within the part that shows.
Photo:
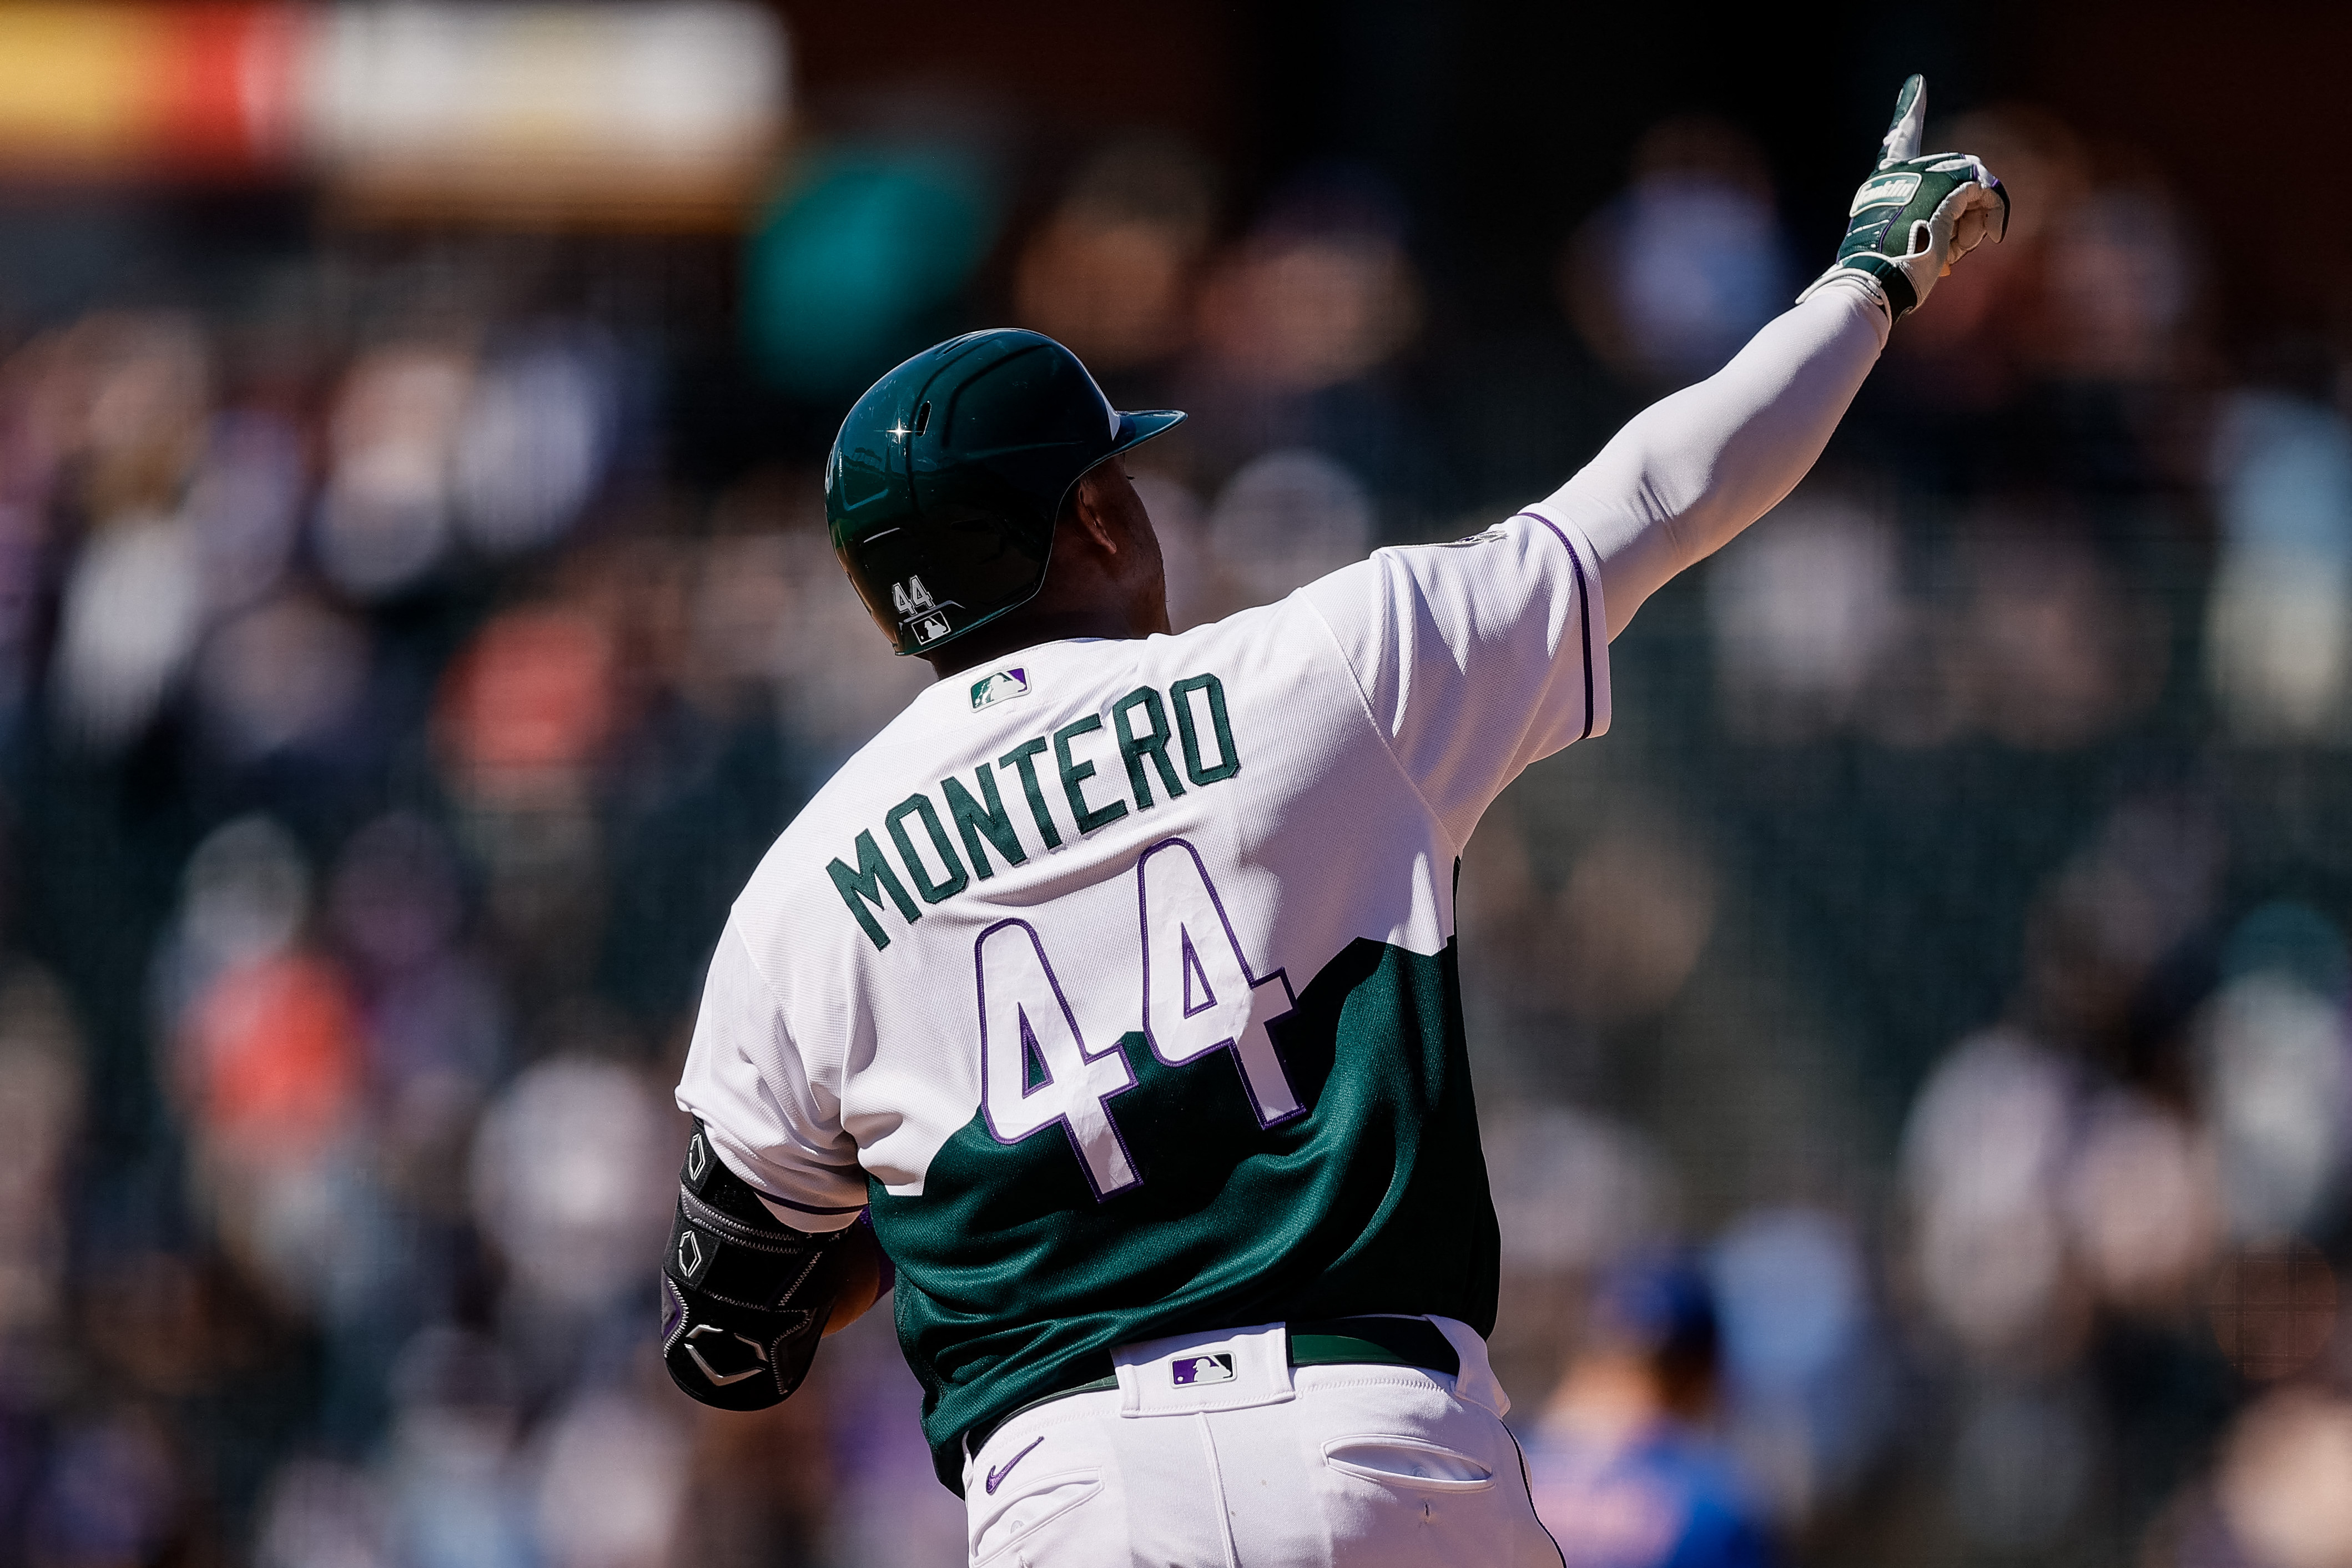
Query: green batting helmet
(947,476)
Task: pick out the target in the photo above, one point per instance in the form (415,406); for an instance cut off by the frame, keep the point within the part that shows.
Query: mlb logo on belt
(1188,1370)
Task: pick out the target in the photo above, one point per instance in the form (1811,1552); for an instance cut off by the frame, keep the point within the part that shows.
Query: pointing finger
(1903,136)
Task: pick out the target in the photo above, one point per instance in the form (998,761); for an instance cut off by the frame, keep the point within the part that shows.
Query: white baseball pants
(1215,1452)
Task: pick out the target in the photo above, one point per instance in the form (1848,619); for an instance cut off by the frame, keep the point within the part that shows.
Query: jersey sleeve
(1475,658)
(770,1125)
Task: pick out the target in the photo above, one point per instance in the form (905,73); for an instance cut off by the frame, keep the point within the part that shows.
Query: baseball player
(1109,992)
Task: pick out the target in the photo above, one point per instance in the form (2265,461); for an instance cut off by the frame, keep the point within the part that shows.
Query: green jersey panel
(1014,1281)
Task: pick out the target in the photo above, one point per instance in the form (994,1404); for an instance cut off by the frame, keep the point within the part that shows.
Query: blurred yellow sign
(630,113)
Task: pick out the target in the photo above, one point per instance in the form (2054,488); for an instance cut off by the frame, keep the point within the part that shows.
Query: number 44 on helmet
(917,609)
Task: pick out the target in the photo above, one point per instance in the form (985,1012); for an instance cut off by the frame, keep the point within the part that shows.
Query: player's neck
(1027,628)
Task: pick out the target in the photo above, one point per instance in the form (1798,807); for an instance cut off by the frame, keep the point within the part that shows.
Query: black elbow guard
(744,1299)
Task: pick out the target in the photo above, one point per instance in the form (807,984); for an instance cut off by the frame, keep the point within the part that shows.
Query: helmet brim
(1135,429)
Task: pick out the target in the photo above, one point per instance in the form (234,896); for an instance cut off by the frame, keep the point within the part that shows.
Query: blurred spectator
(132,612)
(319,1514)
(126,400)
(2277,1079)
(435,1022)
(523,715)
(1109,274)
(538,432)
(2116,913)
(114,1492)
(1623,1471)
(887,1512)
(1806,1407)
(2022,1465)
(266,1048)
(836,682)
(1299,323)
(1981,1156)
(2031,1197)
(2279,625)
(1320,294)
(272,1060)
(1806,607)
(525,711)
(1611,949)
(1637,911)
(245,506)
(2286,1481)
(384,519)
(2282,1497)
(2067,1201)
(1573,1189)
(2122,280)
(613,1482)
(744,610)
(119,404)
(568,1179)
(1669,280)
(2140,1203)
(286,675)
(2055,650)
(762,1488)
(1286,519)
(456,1488)
(2024,633)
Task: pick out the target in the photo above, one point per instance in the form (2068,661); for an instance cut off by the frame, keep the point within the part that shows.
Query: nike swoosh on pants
(996,1477)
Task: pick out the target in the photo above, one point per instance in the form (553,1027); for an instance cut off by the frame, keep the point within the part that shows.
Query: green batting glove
(1915,216)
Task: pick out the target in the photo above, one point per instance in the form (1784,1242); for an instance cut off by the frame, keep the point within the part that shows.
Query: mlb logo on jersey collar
(1002,685)
(1187,1370)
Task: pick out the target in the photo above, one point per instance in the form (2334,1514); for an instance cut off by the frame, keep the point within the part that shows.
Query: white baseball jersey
(1117,978)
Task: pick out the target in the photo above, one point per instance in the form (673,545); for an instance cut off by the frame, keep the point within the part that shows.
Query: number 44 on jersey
(1200,996)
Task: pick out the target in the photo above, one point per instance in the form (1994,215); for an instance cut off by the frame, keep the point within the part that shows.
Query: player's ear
(1094,509)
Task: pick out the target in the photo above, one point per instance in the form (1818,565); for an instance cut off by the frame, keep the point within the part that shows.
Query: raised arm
(1690,471)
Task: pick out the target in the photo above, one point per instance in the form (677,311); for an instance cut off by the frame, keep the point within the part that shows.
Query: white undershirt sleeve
(1688,473)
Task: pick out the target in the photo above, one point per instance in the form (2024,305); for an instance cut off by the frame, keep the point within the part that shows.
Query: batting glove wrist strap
(1915,216)
(744,1299)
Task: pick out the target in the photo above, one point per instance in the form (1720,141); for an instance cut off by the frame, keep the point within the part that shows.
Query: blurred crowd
(1913,1046)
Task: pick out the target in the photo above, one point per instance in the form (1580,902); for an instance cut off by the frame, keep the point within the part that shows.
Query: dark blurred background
(1912,1044)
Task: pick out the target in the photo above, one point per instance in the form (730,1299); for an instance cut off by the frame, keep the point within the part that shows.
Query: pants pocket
(1400,1461)
(1009,1522)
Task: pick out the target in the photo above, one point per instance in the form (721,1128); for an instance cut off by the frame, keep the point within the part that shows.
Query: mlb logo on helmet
(914,603)
(1187,1370)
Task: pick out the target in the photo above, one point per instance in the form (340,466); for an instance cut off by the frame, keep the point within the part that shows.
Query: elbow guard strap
(744,1299)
